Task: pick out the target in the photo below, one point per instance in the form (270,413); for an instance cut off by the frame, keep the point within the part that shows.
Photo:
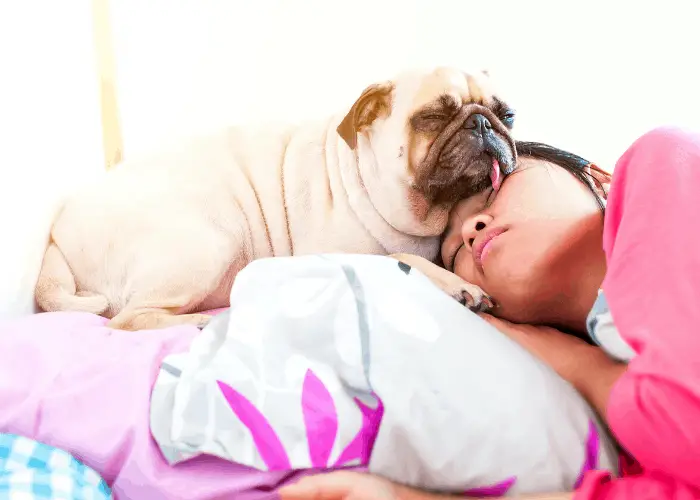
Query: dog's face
(445,132)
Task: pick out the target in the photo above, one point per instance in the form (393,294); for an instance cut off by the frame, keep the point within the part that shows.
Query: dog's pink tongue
(495,175)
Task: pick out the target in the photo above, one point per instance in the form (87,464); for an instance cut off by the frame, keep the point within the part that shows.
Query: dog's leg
(465,293)
(165,292)
(171,301)
(151,318)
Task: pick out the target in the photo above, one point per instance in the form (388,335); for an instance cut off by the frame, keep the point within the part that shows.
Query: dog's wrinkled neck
(403,207)
(358,169)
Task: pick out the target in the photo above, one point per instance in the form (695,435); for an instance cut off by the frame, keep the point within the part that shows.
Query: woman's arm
(652,286)
(404,493)
(595,376)
(344,485)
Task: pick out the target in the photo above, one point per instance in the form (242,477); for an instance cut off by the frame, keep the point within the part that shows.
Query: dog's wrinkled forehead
(444,88)
(461,88)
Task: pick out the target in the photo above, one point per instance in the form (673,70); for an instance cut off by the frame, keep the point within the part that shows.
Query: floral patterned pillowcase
(334,361)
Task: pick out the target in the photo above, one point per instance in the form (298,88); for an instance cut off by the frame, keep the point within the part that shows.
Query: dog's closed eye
(429,121)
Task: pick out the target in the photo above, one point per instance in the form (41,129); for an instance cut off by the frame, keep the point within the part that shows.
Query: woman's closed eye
(491,197)
(453,259)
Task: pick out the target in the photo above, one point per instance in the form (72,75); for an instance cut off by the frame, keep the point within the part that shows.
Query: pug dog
(159,240)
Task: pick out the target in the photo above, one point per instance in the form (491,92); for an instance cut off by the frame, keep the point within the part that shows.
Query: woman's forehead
(516,182)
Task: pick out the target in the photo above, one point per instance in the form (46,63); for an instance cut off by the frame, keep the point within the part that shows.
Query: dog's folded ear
(374,102)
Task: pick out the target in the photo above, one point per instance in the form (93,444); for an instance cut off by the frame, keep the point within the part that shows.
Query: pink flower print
(592,449)
(266,441)
(495,490)
(360,448)
(320,421)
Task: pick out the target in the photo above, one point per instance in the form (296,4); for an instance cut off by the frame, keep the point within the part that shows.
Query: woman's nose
(472,227)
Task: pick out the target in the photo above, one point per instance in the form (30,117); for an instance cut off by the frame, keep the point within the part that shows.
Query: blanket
(68,381)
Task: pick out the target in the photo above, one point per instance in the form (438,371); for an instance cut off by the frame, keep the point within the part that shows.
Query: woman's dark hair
(574,164)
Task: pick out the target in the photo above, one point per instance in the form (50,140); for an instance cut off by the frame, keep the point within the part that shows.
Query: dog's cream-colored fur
(161,239)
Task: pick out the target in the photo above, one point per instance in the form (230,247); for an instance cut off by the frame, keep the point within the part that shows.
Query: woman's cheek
(465,269)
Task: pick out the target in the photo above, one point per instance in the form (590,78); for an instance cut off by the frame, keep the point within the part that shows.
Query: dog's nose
(478,123)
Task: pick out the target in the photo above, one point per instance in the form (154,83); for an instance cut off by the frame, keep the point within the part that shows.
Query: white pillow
(319,352)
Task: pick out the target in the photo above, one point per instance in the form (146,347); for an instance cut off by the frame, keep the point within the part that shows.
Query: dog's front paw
(465,293)
(469,295)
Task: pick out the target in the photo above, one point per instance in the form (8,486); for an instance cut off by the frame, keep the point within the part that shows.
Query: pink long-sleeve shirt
(652,245)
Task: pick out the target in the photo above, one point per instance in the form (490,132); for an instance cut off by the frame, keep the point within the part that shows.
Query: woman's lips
(483,246)
(486,249)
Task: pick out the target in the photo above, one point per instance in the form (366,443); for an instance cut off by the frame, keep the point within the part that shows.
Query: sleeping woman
(626,285)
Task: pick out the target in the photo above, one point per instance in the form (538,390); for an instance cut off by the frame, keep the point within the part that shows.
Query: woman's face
(535,246)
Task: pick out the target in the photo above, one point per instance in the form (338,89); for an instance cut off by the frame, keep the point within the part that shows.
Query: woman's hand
(345,485)
(585,366)
(340,485)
